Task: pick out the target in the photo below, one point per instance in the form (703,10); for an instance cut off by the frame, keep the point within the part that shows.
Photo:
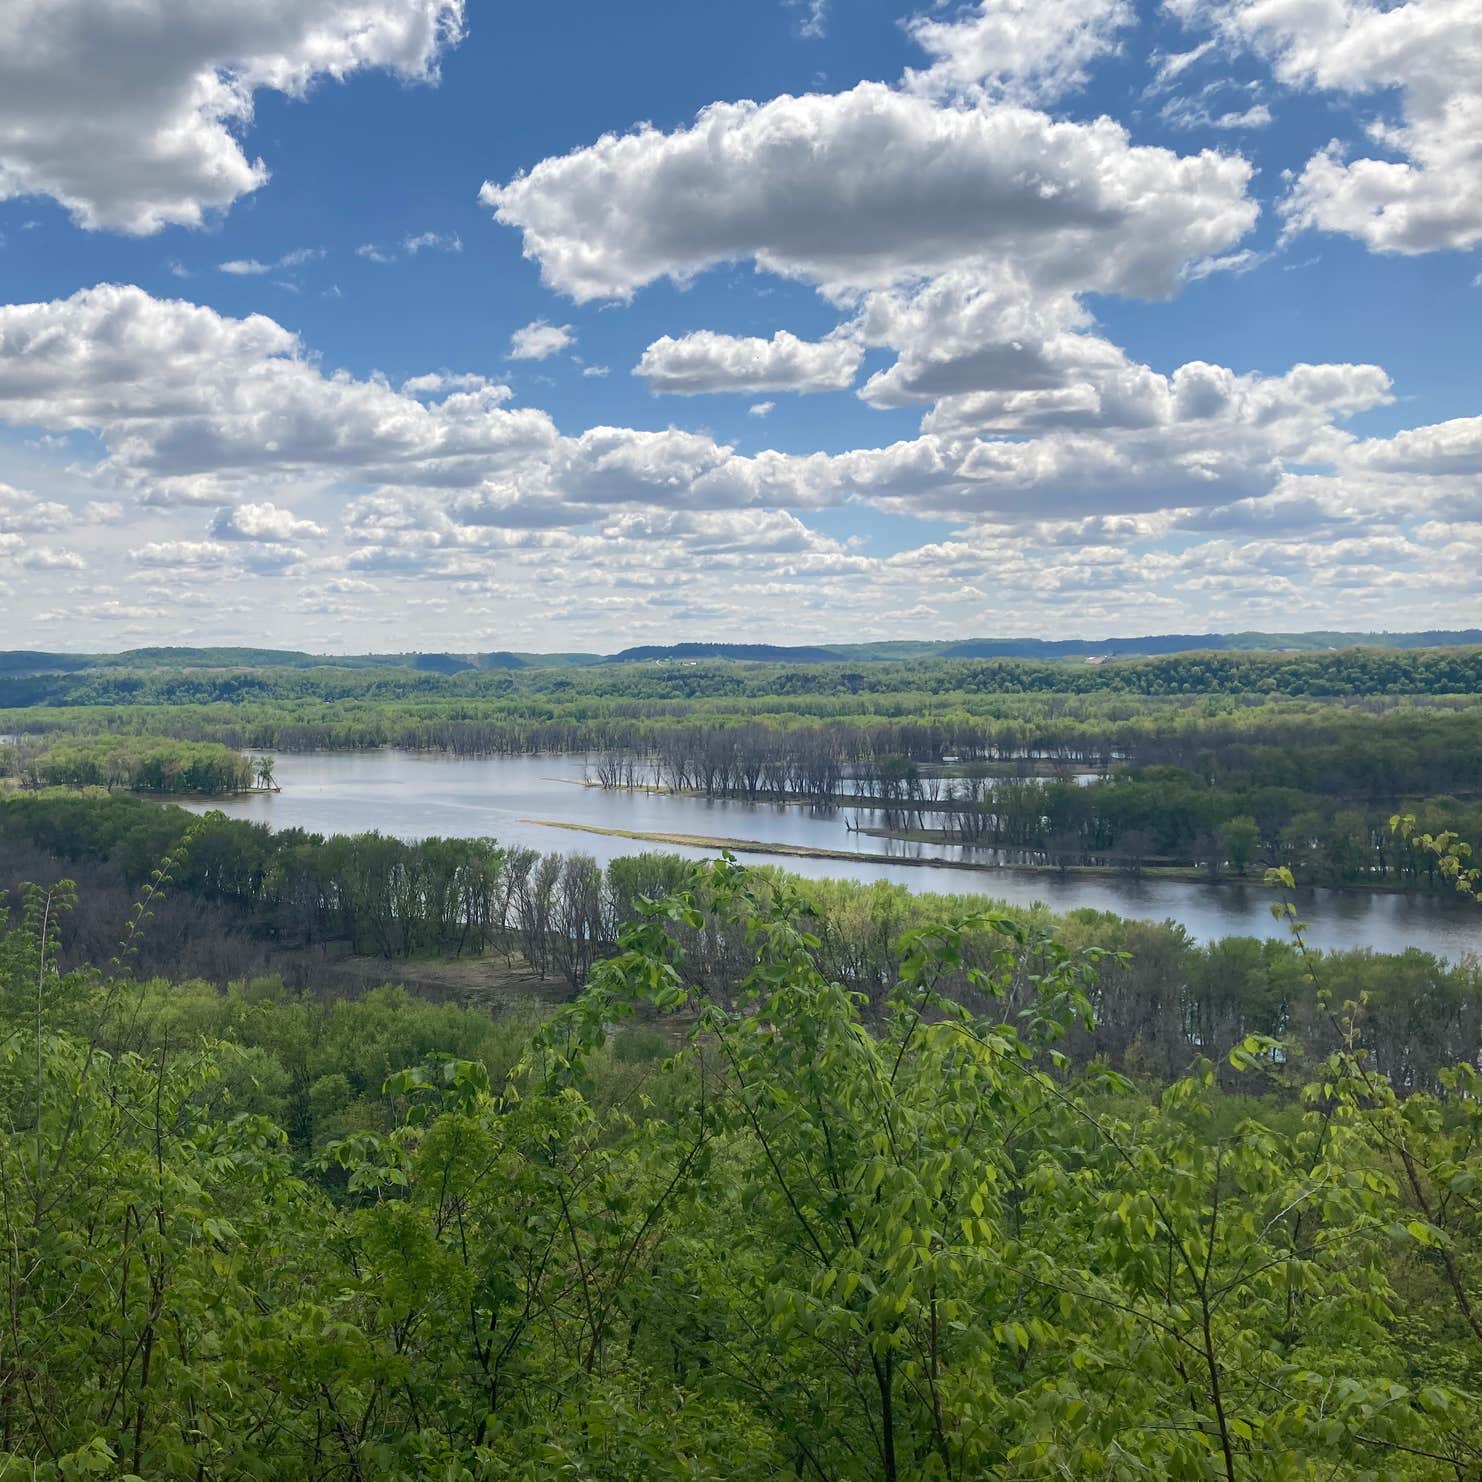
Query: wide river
(414,794)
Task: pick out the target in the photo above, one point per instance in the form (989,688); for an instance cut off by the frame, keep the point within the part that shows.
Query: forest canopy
(686,1229)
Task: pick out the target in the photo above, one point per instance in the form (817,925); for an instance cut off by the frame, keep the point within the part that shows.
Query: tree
(1240,838)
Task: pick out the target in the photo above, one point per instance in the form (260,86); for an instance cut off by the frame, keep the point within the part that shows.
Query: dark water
(412,795)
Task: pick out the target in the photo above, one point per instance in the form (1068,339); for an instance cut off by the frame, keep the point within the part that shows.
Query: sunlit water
(412,795)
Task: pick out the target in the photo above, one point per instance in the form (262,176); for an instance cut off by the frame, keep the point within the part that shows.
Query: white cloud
(263,522)
(1074,479)
(171,553)
(250,267)
(708,362)
(432,241)
(409,246)
(440,383)
(196,407)
(595,372)
(1245,261)
(1451,448)
(711,533)
(24,511)
(540,340)
(1027,51)
(131,116)
(1199,112)
(871,187)
(1169,66)
(761,409)
(111,611)
(813,23)
(967,330)
(44,558)
(1431,52)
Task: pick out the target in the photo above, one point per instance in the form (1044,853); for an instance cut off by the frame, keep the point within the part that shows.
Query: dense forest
(1340,672)
(712,1224)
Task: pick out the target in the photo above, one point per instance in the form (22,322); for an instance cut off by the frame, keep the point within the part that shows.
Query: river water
(416,794)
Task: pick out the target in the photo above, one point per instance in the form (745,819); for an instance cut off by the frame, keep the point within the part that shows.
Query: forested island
(141,764)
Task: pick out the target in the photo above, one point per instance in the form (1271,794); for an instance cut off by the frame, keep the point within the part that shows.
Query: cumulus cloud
(1449,449)
(172,553)
(1024,50)
(967,330)
(711,533)
(197,407)
(1073,427)
(263,522)
(21,510)
(540,340)
(1428,50)
(871,187)
(1063,465)
(440,383)
(131,116)
(705,361)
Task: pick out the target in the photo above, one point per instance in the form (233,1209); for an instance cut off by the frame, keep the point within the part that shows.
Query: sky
(382,325)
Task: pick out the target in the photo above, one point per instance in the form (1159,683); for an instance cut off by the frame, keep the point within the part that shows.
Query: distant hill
(753,653)
(1177,643)
(27,661)
(21,663)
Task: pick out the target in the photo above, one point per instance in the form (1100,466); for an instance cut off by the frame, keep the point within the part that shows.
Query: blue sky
(992,318)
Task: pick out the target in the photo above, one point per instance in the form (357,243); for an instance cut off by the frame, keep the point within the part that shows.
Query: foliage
(824,1237)
(143,764)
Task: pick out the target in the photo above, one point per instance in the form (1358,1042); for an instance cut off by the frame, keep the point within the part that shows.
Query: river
(415,794)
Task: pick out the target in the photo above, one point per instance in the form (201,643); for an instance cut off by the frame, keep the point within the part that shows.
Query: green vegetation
(834,1235)
(145,764)
(557,914)
(1345,672)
